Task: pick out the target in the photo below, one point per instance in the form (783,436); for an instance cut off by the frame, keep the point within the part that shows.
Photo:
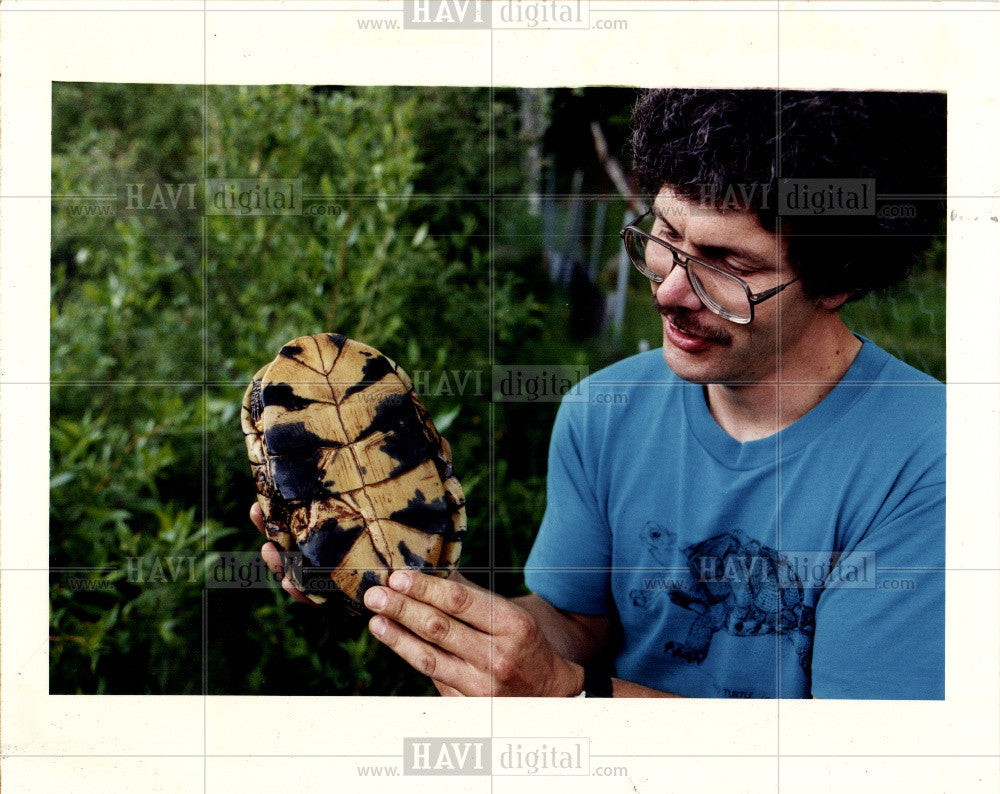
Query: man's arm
(578,638)
(581,639)
(471,641)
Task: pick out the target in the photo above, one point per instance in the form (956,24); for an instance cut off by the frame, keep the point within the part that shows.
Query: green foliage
(909,320)
(161,315)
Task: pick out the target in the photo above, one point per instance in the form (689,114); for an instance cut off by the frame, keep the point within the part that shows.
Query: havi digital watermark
(496,756)
(540,383)
(500,14)
(253,197)
(826,197)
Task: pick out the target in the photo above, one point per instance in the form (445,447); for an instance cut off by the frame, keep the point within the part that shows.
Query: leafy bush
(161,315)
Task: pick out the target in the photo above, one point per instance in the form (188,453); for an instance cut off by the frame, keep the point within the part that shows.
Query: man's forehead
(693,202)
(677,209)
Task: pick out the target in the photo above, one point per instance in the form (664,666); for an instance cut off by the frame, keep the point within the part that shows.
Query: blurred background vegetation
(161,313)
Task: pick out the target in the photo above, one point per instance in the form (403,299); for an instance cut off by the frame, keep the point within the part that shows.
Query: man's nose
(676,290)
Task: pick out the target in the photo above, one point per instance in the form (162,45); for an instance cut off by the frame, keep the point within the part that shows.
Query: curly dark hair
(708,145)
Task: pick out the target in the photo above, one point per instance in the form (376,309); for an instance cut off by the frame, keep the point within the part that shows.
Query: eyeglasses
(720,292)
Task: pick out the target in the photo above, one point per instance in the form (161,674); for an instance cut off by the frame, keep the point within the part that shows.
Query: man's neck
(751,411)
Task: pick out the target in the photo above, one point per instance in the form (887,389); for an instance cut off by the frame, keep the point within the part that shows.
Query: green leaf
(444,421)
(420,236)
(61,479)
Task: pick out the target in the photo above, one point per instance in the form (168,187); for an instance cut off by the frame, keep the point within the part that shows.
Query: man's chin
(687,368)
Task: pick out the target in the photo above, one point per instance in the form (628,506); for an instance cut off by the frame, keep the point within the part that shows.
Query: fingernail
(400,581)
(375,598)
(377,625)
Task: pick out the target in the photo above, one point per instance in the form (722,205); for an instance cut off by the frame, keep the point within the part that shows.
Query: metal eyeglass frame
(682,259)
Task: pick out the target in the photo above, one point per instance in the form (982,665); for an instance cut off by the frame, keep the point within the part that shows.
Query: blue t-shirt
(807,563)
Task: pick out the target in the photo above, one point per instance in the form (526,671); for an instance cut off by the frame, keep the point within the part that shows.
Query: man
(734,526)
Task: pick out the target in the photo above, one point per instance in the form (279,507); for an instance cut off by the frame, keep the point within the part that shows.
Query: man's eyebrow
(749,258)
(663,219)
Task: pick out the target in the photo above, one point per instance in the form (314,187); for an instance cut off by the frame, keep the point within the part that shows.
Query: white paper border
(939,46)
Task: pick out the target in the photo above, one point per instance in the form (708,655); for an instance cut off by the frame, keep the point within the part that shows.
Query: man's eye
(660,229)
(729,267)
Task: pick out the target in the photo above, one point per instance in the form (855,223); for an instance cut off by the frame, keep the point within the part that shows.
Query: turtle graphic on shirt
(739,586)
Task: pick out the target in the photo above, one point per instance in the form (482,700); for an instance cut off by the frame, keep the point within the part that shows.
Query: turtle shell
(350,471)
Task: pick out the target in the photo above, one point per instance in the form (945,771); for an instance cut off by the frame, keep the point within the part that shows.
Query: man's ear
(833,302)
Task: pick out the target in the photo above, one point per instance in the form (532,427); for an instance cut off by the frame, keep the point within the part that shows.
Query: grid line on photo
(486,569)
(498,196)
(203,227)
(778,445)
(491,453)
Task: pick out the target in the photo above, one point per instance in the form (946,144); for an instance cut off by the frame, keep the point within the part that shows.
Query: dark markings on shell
(337,339)
(282,395)
(373,371)
(412,560)
(406,441)
(329,543)
(256,402)
(408,446)
(297,478)
(290,351)
(392,413)
(368,579)
(295,461)
(292,438)
(433,517)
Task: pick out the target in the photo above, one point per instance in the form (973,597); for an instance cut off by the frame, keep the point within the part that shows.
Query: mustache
(682,320)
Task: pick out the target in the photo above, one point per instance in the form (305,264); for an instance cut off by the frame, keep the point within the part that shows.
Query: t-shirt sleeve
(880,620)
(569,564)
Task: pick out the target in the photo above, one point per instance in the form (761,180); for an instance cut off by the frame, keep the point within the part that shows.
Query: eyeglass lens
(721,291)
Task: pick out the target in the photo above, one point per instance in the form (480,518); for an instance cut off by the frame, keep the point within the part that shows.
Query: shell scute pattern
(349,468)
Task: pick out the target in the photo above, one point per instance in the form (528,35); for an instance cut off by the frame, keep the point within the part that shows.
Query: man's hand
(272,558)
(467,639)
